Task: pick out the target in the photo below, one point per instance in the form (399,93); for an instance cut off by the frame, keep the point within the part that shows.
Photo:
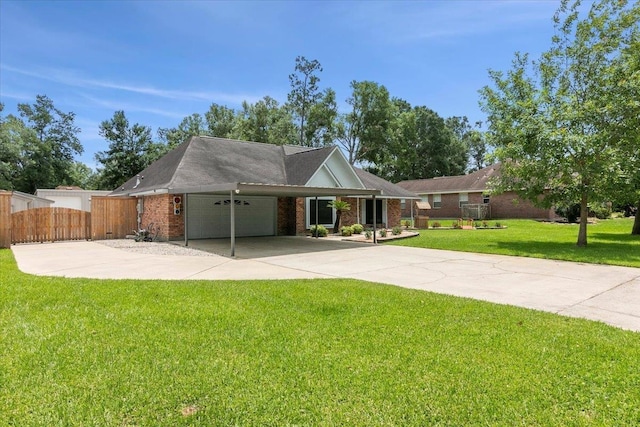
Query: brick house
(467,196)
(219,188)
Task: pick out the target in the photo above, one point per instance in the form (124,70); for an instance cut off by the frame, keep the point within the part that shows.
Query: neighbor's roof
(473,183)
(208,165)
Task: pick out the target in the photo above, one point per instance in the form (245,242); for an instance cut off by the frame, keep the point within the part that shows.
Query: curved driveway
(605,293)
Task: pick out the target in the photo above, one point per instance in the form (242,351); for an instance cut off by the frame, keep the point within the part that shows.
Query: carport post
(375,217)
(316,232)
(233,225)
(184,214)
(412,224)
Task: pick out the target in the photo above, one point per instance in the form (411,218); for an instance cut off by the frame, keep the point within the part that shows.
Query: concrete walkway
(605,293)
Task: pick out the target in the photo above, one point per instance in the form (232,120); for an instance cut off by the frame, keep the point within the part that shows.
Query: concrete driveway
(605,293)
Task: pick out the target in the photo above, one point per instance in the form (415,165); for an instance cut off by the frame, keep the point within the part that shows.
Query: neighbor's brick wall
(159,210)
(509,205)
(506,205)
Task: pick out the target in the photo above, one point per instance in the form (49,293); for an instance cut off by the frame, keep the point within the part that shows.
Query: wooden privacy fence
(113,217)
(110,218)
(50,225)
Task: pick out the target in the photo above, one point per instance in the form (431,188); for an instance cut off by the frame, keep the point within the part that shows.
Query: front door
(368,210)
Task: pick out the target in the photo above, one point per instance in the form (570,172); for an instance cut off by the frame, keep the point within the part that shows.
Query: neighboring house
(202,187)
(71,197)
(467,196)
(22,201)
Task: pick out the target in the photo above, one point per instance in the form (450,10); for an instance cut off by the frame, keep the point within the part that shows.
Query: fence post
(5,219)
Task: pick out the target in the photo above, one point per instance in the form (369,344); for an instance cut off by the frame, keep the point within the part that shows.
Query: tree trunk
(584,214)
(636,223)
(336,226)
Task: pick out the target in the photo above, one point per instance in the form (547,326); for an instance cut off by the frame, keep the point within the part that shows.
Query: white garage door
(209,217)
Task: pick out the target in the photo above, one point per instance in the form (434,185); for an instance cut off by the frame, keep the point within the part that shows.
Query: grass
(609,241)
(81,352)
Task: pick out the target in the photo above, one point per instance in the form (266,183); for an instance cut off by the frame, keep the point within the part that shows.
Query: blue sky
(160,61)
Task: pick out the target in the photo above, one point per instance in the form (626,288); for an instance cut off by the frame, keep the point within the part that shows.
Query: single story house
(71,197)
(219,188)
(467,196)
(23,201)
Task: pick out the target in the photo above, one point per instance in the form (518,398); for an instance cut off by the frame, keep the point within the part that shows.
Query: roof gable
(335,171)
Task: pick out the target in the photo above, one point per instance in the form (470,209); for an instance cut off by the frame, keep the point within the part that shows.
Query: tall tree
(265,121)
(49,145)
(221,121)
(320,130)
(192,125)
(304,95)
(363,132)
(12,142)
(131,149)
(546,117)
(425,147)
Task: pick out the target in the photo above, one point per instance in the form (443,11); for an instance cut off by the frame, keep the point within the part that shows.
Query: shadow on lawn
(615,251)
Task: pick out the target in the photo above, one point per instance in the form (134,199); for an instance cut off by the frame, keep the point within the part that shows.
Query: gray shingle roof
(389,190)
(208,161)
(474,182)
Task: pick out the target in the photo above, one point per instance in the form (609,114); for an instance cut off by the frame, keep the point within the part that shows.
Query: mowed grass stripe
(609,241)
(79,352)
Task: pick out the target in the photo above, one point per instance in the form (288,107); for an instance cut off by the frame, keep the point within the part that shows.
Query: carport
(236,190)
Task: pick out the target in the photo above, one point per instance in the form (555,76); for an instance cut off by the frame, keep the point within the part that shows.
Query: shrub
(322,231)
(456,225)
(346,231)
(368,234)
(498,225)
(437,225)
(357,228)
(396,230)
(406,223)
(485,224)
(383,232)
(600,211)
(476,224)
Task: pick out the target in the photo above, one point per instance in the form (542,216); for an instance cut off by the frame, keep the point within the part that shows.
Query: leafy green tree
(193,125)
(12,141)
(221,121)
(48,143)
(83,176)
(363,132)
(546,117)
(304,96)
(131,149)
(471,138)
(265,121)
(425,147)
(320,130)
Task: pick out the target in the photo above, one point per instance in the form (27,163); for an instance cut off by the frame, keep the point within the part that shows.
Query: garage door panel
(210,217)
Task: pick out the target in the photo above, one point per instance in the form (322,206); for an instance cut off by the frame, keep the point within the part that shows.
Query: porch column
(233,224)
(186,223)
(375,217)
(412,224)
(316,233)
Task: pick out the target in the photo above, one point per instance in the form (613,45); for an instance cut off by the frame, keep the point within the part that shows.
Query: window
(326,215)
(403,204)
(463,198)
(368,207)
(486,199)
(437,202)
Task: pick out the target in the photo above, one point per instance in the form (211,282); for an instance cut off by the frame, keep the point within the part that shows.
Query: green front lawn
(609,241)
(79,352)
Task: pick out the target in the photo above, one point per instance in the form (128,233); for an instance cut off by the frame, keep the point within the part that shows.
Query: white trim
(363,210)
(344,160)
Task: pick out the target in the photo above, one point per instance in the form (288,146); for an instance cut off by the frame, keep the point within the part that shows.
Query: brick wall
(159,211)
(287,216)
(509,205)
(301,227)
(506,205)
(394,213)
